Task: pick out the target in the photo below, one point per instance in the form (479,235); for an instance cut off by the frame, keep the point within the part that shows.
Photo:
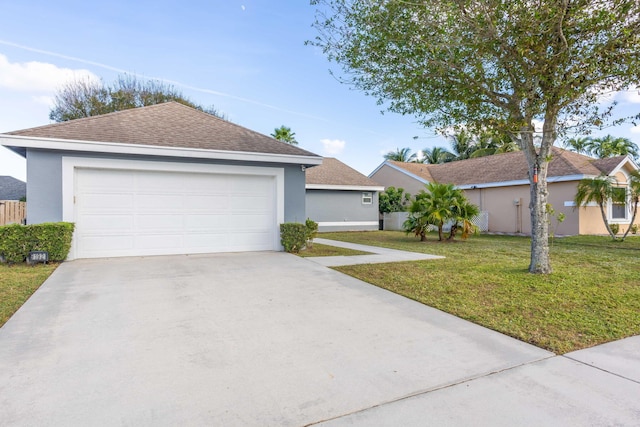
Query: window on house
(619,204)
(367,198)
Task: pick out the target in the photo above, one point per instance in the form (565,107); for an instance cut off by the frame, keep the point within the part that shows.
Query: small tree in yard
(491,64)
(438,205)
(393,200)
(600,190)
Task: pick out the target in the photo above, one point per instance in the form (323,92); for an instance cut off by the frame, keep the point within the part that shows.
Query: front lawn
(323,250)
(592,297)
(17,283)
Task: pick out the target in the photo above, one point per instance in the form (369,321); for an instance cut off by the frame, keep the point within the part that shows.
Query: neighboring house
(499,185)
(340,198)
(163,179)
(12,189)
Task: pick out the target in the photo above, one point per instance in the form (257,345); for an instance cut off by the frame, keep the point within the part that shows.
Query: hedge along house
(163,179)
(499,185)
(340,198)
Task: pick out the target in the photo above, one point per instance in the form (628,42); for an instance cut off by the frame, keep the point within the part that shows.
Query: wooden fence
(12,212)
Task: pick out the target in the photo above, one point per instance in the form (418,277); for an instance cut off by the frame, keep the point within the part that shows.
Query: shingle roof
(334,172)
(505,167)
(608,164)
(12,188)
(167,125)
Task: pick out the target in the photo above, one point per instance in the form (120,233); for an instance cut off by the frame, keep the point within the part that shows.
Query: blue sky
(246,57)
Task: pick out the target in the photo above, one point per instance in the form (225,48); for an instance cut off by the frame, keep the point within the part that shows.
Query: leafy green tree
(436,155)
(86,98)
(495,63)
(393,200)
(600,190)
(284,134)
(401,155)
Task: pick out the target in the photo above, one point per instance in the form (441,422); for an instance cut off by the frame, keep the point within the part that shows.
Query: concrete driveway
(273,339)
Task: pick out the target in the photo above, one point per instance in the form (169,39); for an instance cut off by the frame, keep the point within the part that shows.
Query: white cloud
(632,95)
(333,147)
(37,76)
(635,129)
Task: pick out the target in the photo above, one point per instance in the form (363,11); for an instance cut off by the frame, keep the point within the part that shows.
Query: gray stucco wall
(44,178)
(341,206)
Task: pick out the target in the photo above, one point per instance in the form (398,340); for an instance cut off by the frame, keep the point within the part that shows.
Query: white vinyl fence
(394,221)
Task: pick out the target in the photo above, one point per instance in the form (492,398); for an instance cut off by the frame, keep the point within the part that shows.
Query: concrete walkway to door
(378,254)
(271,339)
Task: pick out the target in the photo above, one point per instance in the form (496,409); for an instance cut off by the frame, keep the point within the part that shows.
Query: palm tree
(436,155)
(609,146)
(284,134)
(634,196)
(463,213)
(401,155)
(579,145)
(439,204)
(462,144)
(600,190)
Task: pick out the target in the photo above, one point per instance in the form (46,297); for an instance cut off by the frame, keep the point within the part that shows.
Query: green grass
(17,283)
(324,250)
(592,296)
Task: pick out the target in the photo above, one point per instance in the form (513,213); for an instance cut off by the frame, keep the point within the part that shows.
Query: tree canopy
(401,155)
(86,98)
(606,146)
(498,64)
(284,134)
(393,200)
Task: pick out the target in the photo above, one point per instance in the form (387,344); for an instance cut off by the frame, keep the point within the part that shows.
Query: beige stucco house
(499,185)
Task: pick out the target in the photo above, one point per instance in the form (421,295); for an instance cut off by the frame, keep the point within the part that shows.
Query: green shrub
(16,241)
(614,228)
(293,236)
(312,231)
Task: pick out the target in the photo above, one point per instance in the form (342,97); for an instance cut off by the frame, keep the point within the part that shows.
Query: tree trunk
(440,232)
(538,162)
(633,217)
(606,221)
(540,261)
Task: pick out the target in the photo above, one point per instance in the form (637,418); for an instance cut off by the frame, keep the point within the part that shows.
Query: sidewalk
(380,255)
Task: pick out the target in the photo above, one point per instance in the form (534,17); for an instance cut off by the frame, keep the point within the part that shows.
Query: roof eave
(17,142)
(550,180)
(344,187)
(399,169)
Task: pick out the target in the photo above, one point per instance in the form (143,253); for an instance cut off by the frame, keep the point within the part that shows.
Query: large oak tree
(499,64)
(85,98)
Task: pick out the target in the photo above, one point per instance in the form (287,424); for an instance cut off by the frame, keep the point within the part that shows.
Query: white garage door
(130,213)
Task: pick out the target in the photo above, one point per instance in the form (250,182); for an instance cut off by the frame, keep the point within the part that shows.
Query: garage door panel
(203,221)
(100,243)
(208,202)
(107,201)
(249,221)
(158,242)
(107,223)
(162,202)
(127,212)
(94,178)
(251,203)
(196,242)
(166,222)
